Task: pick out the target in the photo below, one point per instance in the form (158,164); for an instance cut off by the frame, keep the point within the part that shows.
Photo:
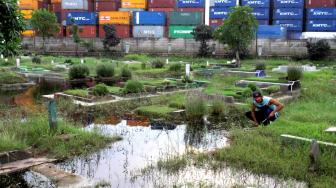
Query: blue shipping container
(288,14)
(289,3)
(190,3)
(256,3)
(294,35)
(321,13)
(149,18)
(291,25)
(261,13)
(321,25)
(219,12)
(263,22)
(82,18)
(225,3)
(271,32)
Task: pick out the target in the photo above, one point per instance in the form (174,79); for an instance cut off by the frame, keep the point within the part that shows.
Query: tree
(111,39)
(203,33)
(74,31)
(11,26)
(238,30)
(45,24)
(318,50)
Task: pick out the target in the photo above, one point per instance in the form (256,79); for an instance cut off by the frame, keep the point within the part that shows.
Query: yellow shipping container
(27,14)
(28,33)
(133,4)
(28,4)
(113,17)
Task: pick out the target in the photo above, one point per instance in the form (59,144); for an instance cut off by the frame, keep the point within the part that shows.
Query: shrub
(158,63)
(68,61)
(318,50)
(105,70)
(272,89)
(78,72)
(186,79)
(176,67)
(100,90)
(143,65)
(218,107)
(126,73)
(195,109)
(260,66)
(294,72)
(252,86)
(36,60)
(133,86)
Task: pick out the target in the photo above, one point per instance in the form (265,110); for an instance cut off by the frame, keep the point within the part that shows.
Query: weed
(126,73)
(79,72)
(195,109)
(158,63)
(133,86)
(100,90)
(294,72)
(105,70)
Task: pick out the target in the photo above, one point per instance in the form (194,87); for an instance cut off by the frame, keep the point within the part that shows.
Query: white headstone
(2,56)
(167,61)
(207,63)
(82,61)
(6,60)
(18,63)
(52,61)
(187,70)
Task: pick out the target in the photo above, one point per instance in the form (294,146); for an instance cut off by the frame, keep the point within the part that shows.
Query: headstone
(52,114)
(52,61)
(6,60)
(127,47)
(82,61)
(260,49)
(18,63)
(167,61)
(2,56)
(207,63)
(187,70)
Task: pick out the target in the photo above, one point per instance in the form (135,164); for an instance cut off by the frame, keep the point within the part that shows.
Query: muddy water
(142,147)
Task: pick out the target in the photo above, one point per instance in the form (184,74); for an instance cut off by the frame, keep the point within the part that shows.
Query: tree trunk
(237,58)
(43,45)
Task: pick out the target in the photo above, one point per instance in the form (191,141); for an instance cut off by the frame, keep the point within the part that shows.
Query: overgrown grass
(9,77)
(78,92)
(35,133)
(155,111)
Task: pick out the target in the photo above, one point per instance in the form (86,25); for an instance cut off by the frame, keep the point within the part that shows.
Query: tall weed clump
(195,109)
(294,72)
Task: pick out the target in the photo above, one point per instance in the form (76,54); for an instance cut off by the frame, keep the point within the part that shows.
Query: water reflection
(140,147)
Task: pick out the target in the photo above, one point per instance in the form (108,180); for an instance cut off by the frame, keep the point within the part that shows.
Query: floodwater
(122,162)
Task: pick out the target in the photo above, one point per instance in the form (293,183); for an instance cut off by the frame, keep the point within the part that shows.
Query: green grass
(115,90)
(267,79)
(9,77)
(78,92)
(155,111)
(15,135)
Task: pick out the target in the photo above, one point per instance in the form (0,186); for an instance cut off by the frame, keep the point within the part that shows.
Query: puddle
(139,148)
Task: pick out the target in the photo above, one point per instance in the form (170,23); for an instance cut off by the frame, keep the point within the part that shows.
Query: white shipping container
(318,35)
(75,4)
(148,31)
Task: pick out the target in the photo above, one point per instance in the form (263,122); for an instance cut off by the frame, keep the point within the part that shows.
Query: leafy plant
(217,108)
(68,61)
(203,33)
(158,63)
(111,39)
(36,60)
(133,86)
(100,90)
(272,89)
(175,67)
(318,50)
(195,109)
(260,66)
(126,73)
(79,72)
(105,70)
(186,79)
(143,65)
(294,72)
(252,86)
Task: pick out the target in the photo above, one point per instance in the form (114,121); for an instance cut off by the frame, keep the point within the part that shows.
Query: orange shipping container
(27,14)
(28,4)
(28,33)
(113,17)
(56,1)
(133,4)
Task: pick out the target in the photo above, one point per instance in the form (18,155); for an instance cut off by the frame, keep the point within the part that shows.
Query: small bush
(252,86)
(105,70)
(260,66)
(176,67)
(36,60)
(78,72)
(68,61)
(143,65)
(218,108)
(294,72)
(195,109)
(158,63)
(126,73)
(133,86)
(186,79)
(100,90)
(272,89)
(318,50)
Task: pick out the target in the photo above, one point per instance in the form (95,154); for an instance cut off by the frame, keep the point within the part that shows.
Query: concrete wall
(178,46)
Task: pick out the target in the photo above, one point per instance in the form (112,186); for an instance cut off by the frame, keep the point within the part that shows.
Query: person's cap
(256,94)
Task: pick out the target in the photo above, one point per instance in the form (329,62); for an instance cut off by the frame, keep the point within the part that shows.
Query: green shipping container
(186,18)
(176,31)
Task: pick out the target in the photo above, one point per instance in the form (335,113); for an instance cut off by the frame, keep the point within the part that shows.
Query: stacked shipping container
(120,20)
(220,11)
(149,24)
(86,22)
(26,8)
(261,10)
(321,16)
(289,14)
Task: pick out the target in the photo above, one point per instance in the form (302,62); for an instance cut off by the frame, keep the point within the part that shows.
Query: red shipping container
(216,22)
(84,31)
(123,31)
(167,10)
(190,9)
(161,3)
(320,3)
(107,6)
(56,7)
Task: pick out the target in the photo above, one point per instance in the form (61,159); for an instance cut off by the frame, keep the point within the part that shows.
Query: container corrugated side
(225,3)
(287,13)
(161,3)
(149,18)
(114,17)
(82,18)
(261,13)
(186,18)
(291,25)
(181,31)
(256,3)
(320,3)
(321,25)
(321,13)
(148,31)
(189,3)
(219,12)
(75,4)
(271,32)
(289,3)
(142,4)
